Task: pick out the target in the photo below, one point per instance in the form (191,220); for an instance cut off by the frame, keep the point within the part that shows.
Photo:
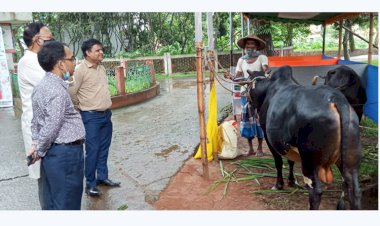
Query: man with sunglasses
(30,74)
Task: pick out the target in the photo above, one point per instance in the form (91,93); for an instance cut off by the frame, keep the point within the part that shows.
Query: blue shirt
(54,118)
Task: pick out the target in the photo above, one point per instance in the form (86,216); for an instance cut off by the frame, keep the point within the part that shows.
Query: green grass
(369,128)
(160,76)
(374,62)
(369,164)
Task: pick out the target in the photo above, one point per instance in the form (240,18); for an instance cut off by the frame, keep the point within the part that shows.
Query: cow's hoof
(277,187)
(341,205)
(291,184)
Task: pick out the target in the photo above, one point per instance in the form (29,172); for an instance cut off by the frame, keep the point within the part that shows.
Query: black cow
(316,120)
(348,82)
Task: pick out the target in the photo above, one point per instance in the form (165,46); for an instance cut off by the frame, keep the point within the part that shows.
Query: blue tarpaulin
(372,88)
(372,106)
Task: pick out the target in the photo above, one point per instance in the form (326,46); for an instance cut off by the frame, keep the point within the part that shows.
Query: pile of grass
(246,170)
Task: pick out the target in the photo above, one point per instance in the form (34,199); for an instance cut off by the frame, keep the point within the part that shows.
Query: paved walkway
(150,142)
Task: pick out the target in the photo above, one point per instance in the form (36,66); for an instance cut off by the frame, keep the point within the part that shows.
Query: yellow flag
(212,127)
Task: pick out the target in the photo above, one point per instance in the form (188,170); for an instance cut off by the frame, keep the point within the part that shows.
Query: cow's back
(305,117)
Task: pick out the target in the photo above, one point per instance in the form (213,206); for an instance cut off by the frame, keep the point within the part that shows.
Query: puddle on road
(165,152)
(169,84)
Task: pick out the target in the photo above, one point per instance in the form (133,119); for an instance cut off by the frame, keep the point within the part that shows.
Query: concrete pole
(120,81)
(210,35)
(231,55)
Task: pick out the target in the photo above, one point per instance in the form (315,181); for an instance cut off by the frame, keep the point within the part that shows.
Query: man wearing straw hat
(253,60)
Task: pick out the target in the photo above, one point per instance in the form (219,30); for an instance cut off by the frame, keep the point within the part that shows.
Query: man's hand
(227,75)
(32,152)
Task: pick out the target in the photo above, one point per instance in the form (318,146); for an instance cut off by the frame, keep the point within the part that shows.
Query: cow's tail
(315,79)
(344,116)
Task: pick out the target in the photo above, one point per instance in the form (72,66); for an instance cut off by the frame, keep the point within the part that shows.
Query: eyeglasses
(45,38)
(73,59)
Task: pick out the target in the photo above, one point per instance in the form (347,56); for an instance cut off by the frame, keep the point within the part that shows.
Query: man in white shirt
(254,60)
(30,74)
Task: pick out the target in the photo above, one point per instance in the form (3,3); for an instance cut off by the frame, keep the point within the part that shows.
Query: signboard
(5,80)
(7,36)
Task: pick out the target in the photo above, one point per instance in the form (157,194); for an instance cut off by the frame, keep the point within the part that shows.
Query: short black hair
(50,54)
(30,31)
(88,44)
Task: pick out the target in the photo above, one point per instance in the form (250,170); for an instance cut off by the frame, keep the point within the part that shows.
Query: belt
(77,142)
(95,111)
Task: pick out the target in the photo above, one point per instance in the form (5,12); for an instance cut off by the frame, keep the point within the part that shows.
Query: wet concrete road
(151,140)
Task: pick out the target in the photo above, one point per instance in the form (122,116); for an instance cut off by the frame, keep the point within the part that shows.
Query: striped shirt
(54,118)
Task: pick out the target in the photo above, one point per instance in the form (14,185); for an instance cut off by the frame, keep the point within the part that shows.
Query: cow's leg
(278,162)
(310,172)
(351,188)
(351,179)
(315,188)
(291,180)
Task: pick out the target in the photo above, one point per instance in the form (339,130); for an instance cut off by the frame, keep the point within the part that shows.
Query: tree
(263,30)
(345,42)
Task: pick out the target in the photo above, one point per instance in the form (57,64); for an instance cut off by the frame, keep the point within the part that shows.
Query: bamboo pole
(370,38)
(200,92)
(340,39)
(201,109)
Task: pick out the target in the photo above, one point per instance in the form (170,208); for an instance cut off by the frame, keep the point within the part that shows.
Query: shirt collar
(89,64)
(28,52)
(56,78)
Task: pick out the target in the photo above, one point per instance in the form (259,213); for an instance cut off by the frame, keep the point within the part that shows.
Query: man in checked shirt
(57,131)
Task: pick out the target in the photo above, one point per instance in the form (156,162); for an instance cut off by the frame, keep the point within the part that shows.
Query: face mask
(66,76)
(70,82)
(249,51)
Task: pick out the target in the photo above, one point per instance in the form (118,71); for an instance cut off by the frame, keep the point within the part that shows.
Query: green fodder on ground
(261,173)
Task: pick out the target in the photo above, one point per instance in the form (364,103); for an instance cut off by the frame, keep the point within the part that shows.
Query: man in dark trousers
(91,96)
(58,132)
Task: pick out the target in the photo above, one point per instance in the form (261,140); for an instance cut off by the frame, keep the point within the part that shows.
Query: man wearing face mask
(30,74)
(253,60)
(57,131)
(91,95)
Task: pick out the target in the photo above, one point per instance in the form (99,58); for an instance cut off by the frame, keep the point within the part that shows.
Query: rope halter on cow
(236,81)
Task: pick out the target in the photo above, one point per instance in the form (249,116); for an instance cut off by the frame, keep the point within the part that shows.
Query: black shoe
(108,182)
(92,191)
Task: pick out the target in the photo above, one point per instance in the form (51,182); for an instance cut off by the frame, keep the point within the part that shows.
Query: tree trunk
(289,35)
(346,54)
(351,37)
(376,40)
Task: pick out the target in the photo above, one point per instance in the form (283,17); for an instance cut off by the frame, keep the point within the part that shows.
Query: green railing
(137,76)
(15,88)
